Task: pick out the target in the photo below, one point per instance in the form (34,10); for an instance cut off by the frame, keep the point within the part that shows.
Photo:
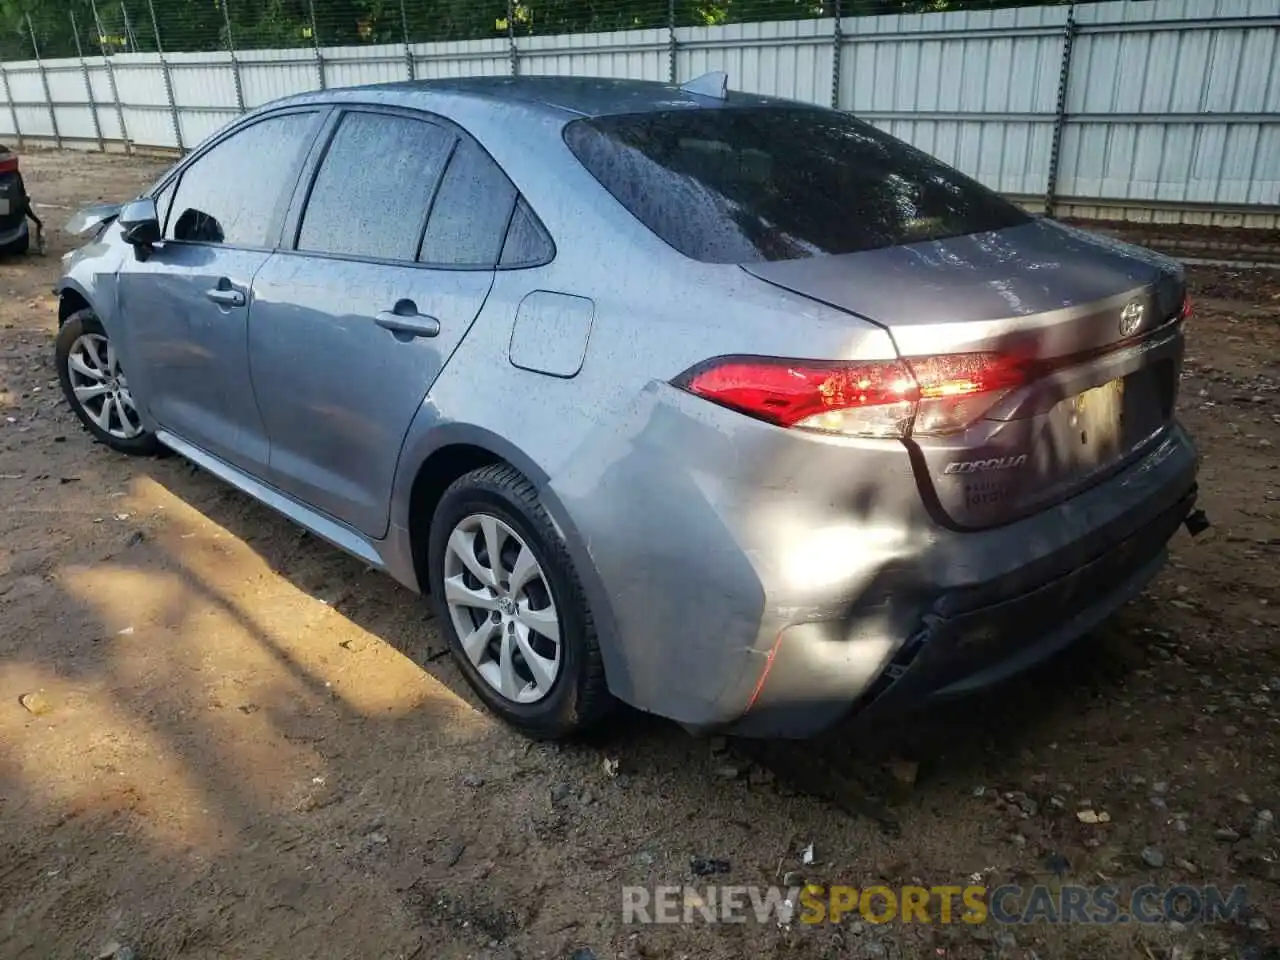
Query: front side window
(374,187)
(234,193)
(743,185)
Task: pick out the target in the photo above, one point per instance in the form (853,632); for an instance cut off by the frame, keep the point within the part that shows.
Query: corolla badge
(1131,318)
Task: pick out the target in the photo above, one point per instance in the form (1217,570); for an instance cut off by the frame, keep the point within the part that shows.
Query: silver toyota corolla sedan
(734,409)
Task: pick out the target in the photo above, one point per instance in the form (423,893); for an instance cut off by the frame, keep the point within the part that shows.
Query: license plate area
(1097,417)
(5,208)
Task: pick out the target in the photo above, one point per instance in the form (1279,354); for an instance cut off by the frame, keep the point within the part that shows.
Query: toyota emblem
(1131,318)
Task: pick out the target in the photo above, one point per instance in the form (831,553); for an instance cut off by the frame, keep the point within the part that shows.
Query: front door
(186,306)
(350,329)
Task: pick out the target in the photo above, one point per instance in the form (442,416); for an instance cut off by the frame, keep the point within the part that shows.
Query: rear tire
(508,613)
(17,247)
(108,426)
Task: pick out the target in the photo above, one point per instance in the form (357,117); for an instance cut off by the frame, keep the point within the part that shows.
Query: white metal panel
(638,54)
(24,83)
(75,123)
(964,74)
(1213,70)
(109,121)
(459,58)
(139,79)
(34,121)
(153,128)
(1126,11)
(355,66)
(263,83)
(197,127)
(66,82)
(203,84)
(788,58)
(100,80)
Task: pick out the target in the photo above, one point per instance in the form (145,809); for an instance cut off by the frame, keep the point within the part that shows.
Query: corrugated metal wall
(1168,110)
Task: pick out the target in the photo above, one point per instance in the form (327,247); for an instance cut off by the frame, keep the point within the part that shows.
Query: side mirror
(140,223)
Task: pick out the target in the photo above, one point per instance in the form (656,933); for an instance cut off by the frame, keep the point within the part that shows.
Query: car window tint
(778,183)
(527,242)
(233,193)
(469,219)
(374,187)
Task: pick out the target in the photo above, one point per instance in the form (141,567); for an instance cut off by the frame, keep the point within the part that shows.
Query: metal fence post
(111,76)
(168,79)
(315,43)
(672,67)
(88,84)
(511,38)
(235,62)
(1060,114)
(837,54)
(44,82)
(13,110)
(130,37)
(410,67)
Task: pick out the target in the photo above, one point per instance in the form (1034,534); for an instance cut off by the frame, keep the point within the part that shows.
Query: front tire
(512,607)
(96,387)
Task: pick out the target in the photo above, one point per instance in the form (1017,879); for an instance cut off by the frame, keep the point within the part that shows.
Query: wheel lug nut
(495,616)
(511,626)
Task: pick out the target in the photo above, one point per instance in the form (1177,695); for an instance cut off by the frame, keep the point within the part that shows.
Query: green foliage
(199,25)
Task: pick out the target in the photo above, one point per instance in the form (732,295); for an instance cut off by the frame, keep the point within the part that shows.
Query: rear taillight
(8,163)
(886,398)
(1187,309)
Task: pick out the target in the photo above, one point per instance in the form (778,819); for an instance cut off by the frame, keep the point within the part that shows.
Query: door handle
(408,325)
(225,298)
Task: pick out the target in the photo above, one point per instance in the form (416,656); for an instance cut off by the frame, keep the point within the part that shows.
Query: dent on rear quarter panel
(713,532)
(651,533)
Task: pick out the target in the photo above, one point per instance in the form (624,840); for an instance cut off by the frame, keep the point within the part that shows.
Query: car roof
(561,96)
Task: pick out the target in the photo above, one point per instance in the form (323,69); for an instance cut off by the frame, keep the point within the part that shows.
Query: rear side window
(236,192)
(374,187)
(527,242)
(745,185)
(469,219)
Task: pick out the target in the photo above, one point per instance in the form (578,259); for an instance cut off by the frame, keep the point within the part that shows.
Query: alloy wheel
(501,606)
(101,388)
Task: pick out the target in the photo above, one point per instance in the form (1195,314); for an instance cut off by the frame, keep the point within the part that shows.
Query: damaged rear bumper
(972,635)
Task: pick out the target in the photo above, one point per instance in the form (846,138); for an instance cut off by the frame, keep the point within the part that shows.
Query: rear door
(397,237)
(186,307)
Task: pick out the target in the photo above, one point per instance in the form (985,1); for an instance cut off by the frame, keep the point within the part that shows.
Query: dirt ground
(244,744)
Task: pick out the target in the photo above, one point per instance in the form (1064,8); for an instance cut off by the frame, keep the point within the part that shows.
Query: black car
(14,234)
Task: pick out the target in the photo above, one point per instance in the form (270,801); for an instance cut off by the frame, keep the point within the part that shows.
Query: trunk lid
(1095,321)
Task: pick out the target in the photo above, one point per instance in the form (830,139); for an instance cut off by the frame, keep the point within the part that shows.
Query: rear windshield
(742,185)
